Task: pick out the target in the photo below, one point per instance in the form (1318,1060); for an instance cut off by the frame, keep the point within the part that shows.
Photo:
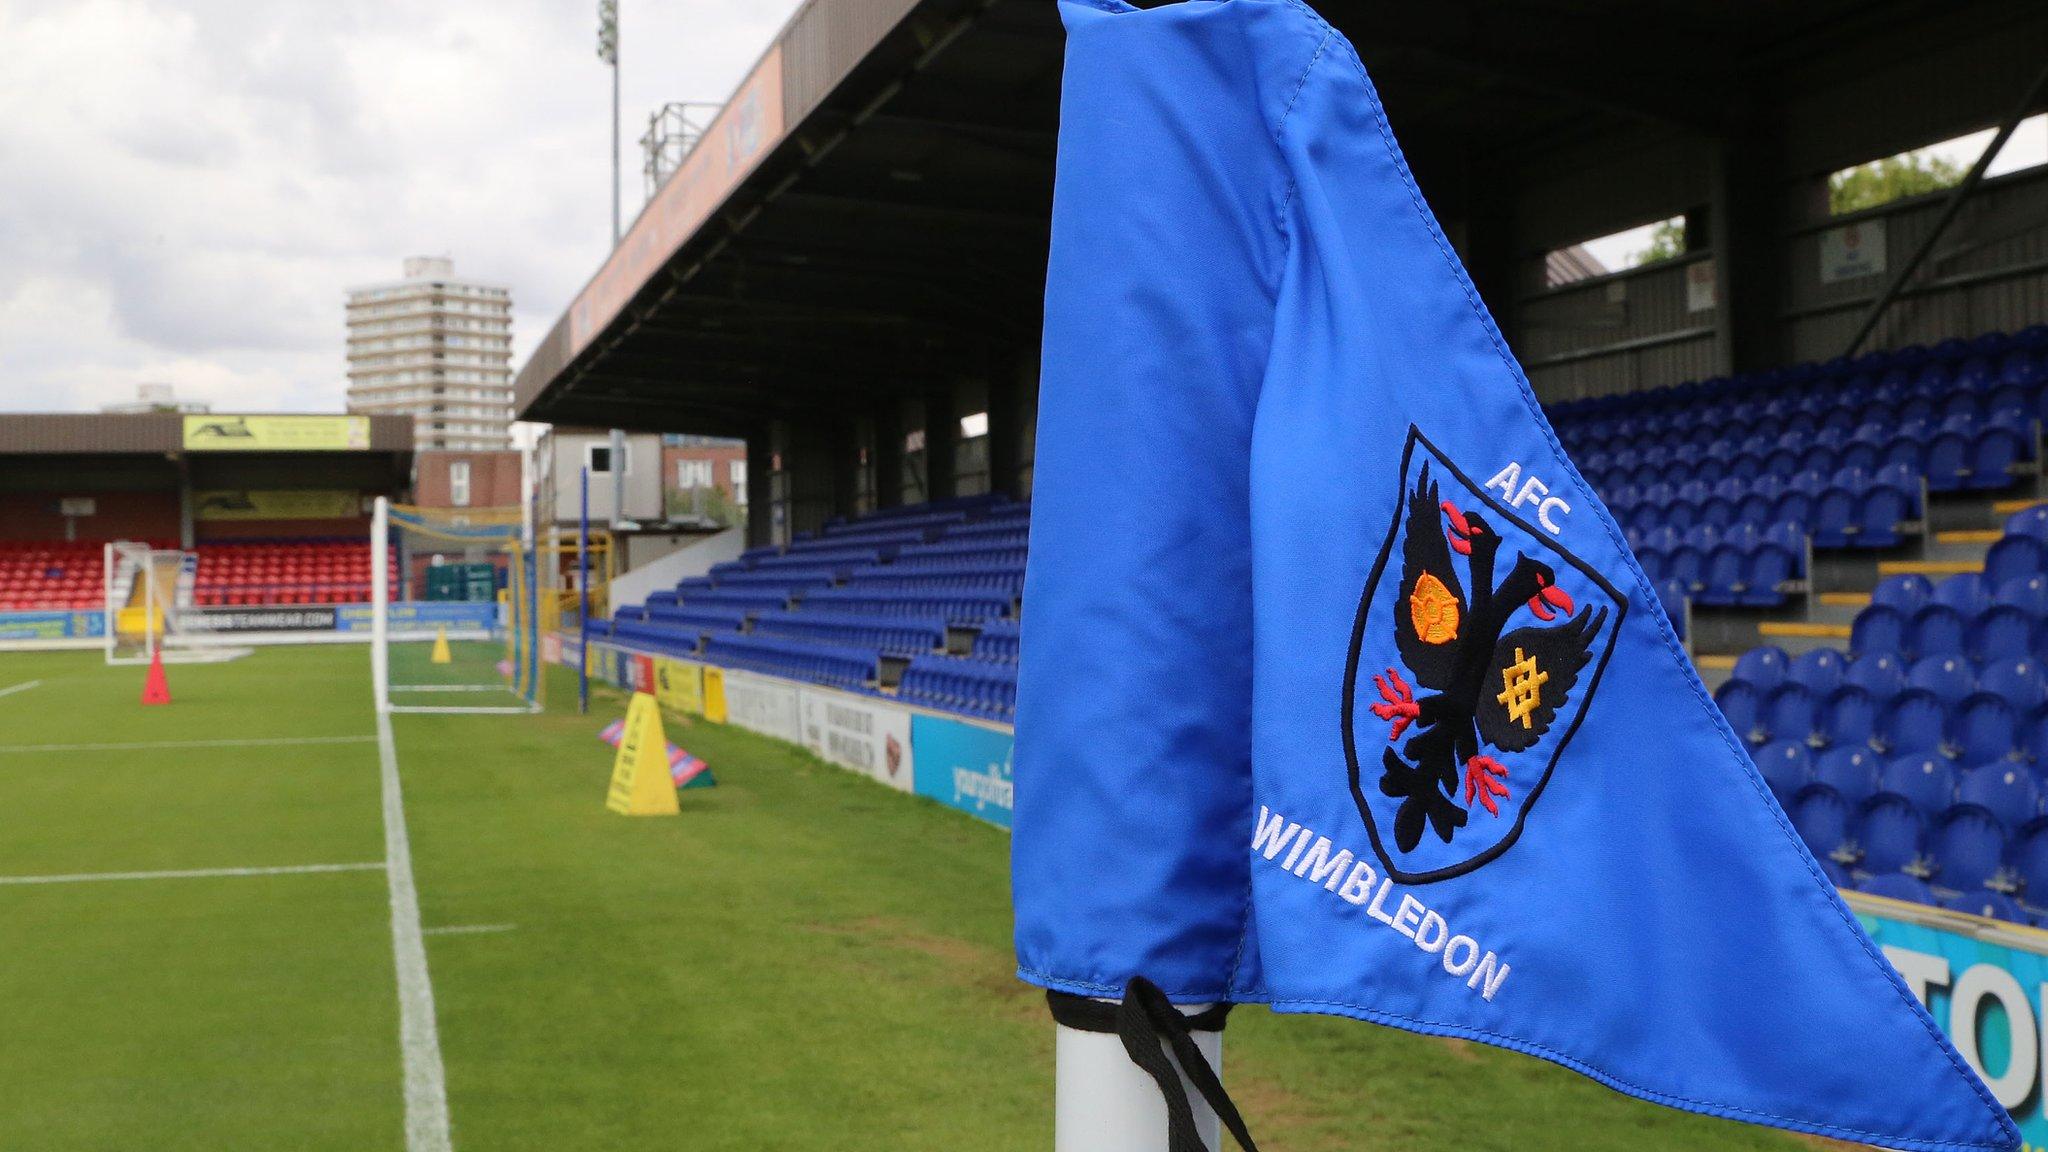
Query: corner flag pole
(583,598)
(1103,1102)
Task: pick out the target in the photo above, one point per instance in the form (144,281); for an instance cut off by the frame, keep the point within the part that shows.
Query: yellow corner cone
(441,655)
(641,784)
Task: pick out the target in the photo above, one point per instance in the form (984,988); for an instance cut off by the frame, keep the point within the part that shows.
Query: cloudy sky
(187,187)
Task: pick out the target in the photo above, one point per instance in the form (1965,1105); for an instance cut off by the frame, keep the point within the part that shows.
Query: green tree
(1889,179)
(1667,239)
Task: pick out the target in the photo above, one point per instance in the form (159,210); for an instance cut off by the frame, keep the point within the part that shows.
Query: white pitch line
(419,1038)
(191,874)
(21,687)
(469,929)
(154,745)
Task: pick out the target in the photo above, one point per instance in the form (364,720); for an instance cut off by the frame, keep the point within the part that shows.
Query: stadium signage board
(867,736)
(48,625)
(1985,983)
(763,704)
(749,124)
(283,504)
(288,619)
(965,766)
(227,433)
(679,685)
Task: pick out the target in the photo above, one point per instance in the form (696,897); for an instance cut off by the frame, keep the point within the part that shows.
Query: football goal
(453,611)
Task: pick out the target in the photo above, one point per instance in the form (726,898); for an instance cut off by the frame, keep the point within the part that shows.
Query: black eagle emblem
(1490,665)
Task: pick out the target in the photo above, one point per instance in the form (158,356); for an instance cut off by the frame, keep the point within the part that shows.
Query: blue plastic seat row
(837,665)
(983,688)
(998,640)
(955,607)
(895,636)
(1940,708)
(1964,848)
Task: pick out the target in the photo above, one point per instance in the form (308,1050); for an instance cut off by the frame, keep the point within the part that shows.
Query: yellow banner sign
(679,686)
(292,504)
(277,433)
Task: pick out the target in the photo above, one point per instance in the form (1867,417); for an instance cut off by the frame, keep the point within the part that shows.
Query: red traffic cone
(155,689)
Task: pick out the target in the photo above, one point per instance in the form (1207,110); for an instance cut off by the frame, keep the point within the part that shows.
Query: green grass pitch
(803,960)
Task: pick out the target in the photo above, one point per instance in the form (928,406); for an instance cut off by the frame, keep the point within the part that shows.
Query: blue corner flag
(1341,691)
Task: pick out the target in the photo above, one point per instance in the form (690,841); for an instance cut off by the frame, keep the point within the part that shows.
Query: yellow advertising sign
(714,695)
(283,504)
(277,433)
(641,784)
(680,686)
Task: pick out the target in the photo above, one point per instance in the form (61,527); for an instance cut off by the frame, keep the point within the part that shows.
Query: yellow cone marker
(441,654)
(641,784)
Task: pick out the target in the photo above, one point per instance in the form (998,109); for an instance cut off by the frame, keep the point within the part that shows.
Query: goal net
(453,611)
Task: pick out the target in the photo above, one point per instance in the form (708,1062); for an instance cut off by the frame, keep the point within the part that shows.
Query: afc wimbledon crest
(1477,649)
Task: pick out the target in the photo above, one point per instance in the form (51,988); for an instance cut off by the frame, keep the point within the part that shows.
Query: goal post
(452,626)
(135,607)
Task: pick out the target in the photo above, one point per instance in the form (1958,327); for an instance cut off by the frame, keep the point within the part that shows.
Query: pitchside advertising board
(964,765)
(52,625)
(1986,985)
(861,733)
(764,704)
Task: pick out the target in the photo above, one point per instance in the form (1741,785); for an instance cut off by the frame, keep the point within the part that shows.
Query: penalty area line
(419,1038)
(23,687)
(190,874)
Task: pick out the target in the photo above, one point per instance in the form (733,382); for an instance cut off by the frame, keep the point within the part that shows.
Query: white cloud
(188,188)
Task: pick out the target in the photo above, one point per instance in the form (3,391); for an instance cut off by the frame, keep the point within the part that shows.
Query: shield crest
(1476,651)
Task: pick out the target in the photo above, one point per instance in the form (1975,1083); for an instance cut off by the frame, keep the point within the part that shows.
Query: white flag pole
(1105,1103)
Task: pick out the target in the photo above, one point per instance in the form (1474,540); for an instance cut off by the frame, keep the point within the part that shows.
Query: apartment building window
(738,472)
(458,483)
(693,474)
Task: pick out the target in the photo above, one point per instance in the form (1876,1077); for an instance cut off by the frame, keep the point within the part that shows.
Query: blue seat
(2014,558)
(1879,629)
(1880,511)
(1766,568)
(1988,904)
(1721,577)
(1850,773)
(1949,678)
(1742,705)
(2029,522)
(2006,791)
(1822,820)
(1936,630)
(1787,767)
(1791,712)
(1882,674)
(1836,523)
(1671,595)
(1995,453)
(1912,723)
(1908,593)
(1848,716)
(1965,592)
(2001,632)
(1764,667)
(1820,669)
(1890,833)
(1899,886)
(2034,738)
(2019,680)
(1926,781)
(1984,730)
(1967,847)
(1948,460)
(2028,859)
(2029,595)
